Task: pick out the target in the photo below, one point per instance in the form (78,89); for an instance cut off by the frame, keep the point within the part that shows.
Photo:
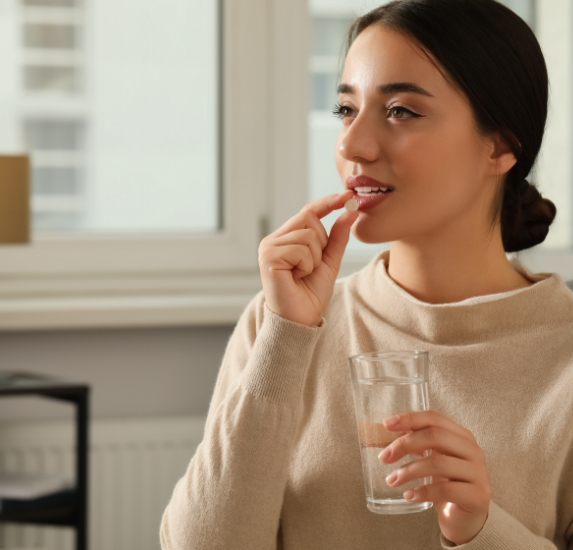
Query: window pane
(326,33)
(330,20)
(323,91)
(118,104)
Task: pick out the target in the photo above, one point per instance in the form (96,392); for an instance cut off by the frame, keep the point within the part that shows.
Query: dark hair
(493,56)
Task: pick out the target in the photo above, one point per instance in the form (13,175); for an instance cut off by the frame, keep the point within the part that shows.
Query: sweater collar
(480,318)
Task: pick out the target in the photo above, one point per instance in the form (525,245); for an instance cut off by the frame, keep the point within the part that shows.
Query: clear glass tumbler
(385,384)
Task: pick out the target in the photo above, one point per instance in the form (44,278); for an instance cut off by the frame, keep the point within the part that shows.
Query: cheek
(436,163)
(418,159)
(436,174)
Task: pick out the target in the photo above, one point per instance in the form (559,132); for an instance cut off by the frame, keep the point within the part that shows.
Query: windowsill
(86,302)
(131,301)
(62,313)
(165,301)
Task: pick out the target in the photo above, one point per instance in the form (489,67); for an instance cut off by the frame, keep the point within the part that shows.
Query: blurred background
(165,142)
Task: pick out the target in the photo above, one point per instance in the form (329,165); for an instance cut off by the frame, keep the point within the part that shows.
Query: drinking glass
(384,384)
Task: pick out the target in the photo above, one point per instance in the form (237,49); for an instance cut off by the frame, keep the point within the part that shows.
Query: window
(119,108)
(150,171)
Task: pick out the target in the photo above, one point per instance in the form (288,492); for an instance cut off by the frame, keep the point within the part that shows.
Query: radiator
(134,465)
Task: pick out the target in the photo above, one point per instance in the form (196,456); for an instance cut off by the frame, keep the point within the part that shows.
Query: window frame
(81,282)
(75,283)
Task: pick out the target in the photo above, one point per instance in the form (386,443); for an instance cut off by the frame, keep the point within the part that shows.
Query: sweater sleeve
(232,491)
(501,531)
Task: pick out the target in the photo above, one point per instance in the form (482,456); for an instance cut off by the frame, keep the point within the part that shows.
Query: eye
(414,115)
(339,111)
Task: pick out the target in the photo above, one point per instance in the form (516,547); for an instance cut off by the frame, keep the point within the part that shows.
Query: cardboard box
(14,199)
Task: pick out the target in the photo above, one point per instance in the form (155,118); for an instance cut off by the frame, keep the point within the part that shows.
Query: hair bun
(530,221)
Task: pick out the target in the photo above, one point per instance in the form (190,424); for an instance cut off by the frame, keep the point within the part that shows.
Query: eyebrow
(390,88)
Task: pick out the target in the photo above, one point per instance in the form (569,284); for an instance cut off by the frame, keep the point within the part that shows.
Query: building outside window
(118,104)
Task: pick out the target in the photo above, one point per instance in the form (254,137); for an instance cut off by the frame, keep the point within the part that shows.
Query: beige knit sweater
(279,466)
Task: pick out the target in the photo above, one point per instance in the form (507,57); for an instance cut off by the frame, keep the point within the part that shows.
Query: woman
(443,104)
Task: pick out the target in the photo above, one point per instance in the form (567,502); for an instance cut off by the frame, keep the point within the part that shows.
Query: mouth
(365,185)
(371,191)
(371,199)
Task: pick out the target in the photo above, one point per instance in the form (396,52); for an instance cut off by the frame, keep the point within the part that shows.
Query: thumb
(338,239)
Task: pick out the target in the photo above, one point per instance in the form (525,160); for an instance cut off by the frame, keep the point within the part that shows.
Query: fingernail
(392,478)
(392,420)
(409,494)
(385,454)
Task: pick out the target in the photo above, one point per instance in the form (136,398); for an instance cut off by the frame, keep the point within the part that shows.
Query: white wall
(132,372)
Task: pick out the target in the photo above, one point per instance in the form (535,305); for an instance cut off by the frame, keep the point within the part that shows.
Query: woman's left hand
(460,491)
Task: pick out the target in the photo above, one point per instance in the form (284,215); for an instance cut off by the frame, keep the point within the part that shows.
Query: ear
(501,158)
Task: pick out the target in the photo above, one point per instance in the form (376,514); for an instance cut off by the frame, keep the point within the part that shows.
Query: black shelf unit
(64,508)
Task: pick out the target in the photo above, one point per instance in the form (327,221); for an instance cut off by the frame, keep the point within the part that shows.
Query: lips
(364,181)
(365,203)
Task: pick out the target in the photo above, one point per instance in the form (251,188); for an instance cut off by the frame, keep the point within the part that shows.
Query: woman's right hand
(299,262)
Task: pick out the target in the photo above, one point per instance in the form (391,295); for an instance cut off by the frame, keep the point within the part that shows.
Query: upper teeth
(370,189)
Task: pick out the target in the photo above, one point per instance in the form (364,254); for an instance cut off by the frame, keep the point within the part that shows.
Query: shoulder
(560,301)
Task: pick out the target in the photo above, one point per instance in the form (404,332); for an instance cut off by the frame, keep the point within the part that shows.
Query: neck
(452,269)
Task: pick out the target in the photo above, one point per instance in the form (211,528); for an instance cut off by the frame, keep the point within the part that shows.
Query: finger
(436,465)
(436,439)
(316,224)
(416,420)
(372,434)
(338,240)
(460,493)
(439,479)
(303,220)
(310,221)
(306,237)
(288,257)
(311,213)
(326,205)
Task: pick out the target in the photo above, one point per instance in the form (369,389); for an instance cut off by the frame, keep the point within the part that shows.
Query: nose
(360,139)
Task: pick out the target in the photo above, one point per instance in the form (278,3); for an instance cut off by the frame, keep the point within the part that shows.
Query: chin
(369,237)
(370,230)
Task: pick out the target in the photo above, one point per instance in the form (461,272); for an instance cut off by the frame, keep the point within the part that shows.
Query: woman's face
(436,163)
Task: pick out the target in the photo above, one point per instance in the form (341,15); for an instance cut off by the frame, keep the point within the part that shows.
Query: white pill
(351,205)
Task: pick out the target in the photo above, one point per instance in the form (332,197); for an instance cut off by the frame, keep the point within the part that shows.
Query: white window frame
(88,282)
(71,282)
